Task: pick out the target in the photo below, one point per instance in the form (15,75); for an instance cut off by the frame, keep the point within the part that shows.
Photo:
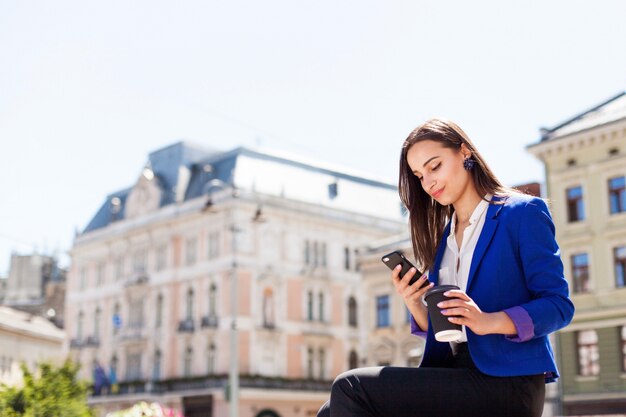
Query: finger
(407,277)
(458,311)
(420,281)
(395,273)
(457,294)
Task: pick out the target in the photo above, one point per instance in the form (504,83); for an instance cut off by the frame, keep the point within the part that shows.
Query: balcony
(210,321)
(76,343)
(138,277)
(92,341)
(132,333)
(186,326)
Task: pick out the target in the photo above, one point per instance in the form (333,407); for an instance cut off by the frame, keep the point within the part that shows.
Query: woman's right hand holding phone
(412,294)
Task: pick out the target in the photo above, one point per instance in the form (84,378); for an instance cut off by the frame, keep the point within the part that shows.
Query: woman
(498,247)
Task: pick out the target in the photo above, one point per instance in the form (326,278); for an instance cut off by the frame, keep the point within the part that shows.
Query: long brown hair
(427,218)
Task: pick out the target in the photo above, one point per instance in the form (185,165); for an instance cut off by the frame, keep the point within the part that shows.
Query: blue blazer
(516,264)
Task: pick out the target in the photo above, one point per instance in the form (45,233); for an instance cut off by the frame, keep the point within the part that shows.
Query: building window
(79,326)
(322,356)
(315,253)
(156,367)
(321,306)
(190,251)
(575,207)
(382,311)
(623,339)
(83,278)
(307,252)
(353,360)
(309,363)
(100,274)
(96,323)
(268,308)
(211,359)
(119,268)
(133,367)
(346,258)
(617,194)
(309,306)
(135,314)
(189,305)
(159,312)
(323,257)
(580,272)
(619,260)
(213,245)
(117,318)
(139,262)
(188,361)
(213,300)
(161,257)
(588,356)
(332,190)
(352,312)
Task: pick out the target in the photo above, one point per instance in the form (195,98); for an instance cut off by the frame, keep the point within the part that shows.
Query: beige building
(26,339)
(150,291)
(585,163)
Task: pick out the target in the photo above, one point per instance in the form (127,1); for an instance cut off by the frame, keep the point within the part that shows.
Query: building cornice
(599,134)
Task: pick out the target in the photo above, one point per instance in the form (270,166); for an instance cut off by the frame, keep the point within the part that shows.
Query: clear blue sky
(89,88)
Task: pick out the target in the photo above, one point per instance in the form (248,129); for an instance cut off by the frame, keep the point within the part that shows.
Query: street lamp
(233,372)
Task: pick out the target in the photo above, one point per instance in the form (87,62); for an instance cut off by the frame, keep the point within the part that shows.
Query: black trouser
(461,390)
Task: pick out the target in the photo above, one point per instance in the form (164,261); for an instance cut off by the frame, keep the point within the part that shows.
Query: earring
(468,163)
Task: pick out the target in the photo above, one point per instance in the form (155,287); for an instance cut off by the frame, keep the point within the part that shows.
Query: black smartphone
(396,258)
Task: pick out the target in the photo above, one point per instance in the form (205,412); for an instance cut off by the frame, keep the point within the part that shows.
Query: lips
(438,192)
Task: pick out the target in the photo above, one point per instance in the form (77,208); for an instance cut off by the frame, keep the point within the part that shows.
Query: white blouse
(456,262)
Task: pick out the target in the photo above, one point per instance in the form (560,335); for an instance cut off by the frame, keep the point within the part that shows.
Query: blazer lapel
(486,235)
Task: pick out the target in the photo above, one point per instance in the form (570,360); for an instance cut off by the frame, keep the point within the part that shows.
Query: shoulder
(517,202)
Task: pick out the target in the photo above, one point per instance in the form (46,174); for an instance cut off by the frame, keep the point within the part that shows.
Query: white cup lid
(448,335)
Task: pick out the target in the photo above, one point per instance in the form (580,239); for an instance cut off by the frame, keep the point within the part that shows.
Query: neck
(464,206)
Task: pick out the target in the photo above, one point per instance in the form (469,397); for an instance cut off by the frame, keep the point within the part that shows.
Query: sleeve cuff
(415,328)
(523,323)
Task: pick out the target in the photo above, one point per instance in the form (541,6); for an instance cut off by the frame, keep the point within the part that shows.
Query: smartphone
(396,258)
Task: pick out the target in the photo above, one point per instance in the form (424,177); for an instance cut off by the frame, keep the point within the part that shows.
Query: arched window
(189,315)
(309,306)
(96,323)
(310,363)
(158,320)
(268,308)
(211,359)
(212,300)
(156,366)
(79,326)
(353,360)
(188,361)
(352,312)
(117,318)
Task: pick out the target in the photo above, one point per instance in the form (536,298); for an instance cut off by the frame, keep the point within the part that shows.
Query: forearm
(501,323)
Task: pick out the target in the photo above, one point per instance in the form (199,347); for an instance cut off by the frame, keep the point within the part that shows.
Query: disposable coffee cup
(444,330)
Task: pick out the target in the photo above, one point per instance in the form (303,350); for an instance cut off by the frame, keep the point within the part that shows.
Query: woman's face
(440,170)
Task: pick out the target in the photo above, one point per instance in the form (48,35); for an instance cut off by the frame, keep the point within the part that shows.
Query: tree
(50,391)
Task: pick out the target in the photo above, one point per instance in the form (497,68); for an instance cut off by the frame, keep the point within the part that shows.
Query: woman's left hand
(467,313)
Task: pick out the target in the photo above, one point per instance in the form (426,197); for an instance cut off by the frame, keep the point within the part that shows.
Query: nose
(430,184)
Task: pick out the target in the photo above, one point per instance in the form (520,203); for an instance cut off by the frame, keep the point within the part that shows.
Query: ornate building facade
(223,274)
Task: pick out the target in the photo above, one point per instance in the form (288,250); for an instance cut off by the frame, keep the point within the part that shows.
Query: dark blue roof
(203,165)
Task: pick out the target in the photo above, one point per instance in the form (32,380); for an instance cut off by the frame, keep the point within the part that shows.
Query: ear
(465,151)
